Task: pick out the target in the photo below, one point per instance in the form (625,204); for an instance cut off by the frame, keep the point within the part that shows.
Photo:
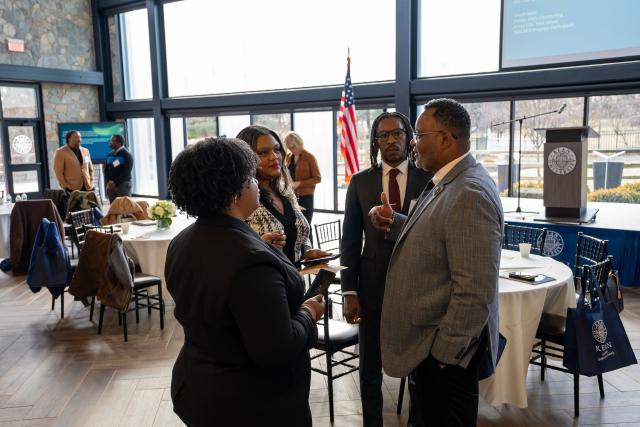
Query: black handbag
(612,292)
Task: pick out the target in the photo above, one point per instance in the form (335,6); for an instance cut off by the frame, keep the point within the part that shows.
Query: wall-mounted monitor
(549,32)
(95,136)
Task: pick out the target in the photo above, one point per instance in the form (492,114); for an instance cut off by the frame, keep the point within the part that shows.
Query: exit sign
(15,45)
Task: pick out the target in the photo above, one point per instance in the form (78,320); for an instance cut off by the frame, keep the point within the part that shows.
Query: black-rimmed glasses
(395,133)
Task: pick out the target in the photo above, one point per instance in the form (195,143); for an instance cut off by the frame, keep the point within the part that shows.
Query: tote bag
(49,263)
(595,339)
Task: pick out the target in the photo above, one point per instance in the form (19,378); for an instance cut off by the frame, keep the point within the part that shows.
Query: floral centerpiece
(162,212)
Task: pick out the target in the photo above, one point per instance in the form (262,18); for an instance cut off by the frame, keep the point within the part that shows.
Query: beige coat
(69,173)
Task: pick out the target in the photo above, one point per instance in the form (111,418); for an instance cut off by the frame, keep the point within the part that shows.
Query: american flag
(347,128)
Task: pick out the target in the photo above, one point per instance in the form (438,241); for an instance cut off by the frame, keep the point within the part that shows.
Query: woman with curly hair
(247,332)
(278,218)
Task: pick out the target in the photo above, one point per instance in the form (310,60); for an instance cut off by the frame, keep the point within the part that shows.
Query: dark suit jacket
(245,358)
(368,267)
(122,172)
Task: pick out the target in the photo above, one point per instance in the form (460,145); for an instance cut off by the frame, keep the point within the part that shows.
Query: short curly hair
(452,115)
(205,177)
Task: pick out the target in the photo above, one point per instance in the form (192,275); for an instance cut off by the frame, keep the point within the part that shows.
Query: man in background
(72,164)
(363,282)
(119,166)
(440,311)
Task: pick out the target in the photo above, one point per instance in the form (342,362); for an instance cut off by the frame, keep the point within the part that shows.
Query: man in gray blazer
(363,282)
(440,309)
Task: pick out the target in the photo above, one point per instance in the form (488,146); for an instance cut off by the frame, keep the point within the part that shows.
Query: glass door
(23,173)
(22,147)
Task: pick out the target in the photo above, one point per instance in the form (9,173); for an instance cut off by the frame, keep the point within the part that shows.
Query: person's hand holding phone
(315,306)
(315,253)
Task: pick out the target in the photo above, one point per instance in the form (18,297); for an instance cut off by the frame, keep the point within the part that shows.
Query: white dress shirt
(403,169)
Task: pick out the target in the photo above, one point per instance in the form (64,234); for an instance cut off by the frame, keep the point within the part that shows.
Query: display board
(544,32)
(95,136)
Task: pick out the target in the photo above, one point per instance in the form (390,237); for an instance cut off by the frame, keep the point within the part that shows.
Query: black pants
(307,203)
(120,190)
(448,395)
(371,373)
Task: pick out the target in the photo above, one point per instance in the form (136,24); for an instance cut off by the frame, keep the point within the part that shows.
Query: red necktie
(394,190)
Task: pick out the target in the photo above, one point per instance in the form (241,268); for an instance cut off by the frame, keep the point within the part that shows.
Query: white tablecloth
(5,225)
(521,305)
(148,246)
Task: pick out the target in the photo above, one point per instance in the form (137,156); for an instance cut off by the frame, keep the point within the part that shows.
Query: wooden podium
(565,174)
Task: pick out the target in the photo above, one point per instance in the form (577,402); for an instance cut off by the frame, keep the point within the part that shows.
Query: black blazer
(368,266)
(245,358)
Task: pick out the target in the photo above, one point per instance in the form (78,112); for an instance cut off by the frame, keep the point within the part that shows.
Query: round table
(5,225)
(521,305)
(148,245)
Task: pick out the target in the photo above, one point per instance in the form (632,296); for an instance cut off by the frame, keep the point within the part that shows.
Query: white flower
(159,211)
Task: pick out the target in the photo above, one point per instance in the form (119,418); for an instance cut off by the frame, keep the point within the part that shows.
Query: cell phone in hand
(320,284)
(321,260)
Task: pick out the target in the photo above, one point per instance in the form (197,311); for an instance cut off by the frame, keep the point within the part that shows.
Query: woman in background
(278,218)
(304,171)
(245,357)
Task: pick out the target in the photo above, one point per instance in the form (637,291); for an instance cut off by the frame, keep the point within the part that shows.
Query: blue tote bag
(595,339)
(49,263)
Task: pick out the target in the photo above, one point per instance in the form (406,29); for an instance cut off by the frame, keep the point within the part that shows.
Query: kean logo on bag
(599,332)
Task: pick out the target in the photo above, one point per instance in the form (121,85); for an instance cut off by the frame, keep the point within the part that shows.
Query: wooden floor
(57,372)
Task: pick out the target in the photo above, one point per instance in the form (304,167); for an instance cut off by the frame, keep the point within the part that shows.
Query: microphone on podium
(562,108)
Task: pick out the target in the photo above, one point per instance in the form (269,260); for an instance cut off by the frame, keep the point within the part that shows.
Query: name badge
(116,163)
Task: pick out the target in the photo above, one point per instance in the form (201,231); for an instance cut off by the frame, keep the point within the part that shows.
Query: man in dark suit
(363,282)
(119,166)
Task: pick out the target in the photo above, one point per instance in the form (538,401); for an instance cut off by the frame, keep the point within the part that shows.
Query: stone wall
(63,104)
(56,33)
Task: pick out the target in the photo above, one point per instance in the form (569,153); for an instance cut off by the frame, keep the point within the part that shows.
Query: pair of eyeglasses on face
(418,135)
(395,133)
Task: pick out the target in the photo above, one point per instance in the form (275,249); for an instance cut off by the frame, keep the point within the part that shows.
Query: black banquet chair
(140,297)
(589,251)
(513,235)
(329,238)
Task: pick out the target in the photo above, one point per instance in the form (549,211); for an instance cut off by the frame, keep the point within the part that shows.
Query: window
(365,118)
(18,102)
(135,54)
(141,137)
(177,136)
(247,45)
(458,37)
(316,129)
(532,168)
(230,126)
(279,123)
(490,144)
(614,169)
(199,128)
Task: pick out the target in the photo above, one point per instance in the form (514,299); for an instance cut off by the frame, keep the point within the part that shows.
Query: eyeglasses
(395,133)
(418,135)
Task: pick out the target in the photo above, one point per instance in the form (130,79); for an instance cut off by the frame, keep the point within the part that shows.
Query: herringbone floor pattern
(57,372)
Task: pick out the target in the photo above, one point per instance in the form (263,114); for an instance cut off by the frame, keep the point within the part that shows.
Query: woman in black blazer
(245,358)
